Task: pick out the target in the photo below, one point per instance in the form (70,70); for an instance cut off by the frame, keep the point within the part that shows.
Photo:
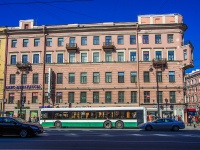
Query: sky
(54,12)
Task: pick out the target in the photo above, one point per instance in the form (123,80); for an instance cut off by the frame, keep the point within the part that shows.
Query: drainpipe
(138,81)
(44,65)
(5,70)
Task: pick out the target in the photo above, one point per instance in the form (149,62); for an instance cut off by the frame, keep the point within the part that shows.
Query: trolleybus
(97,117)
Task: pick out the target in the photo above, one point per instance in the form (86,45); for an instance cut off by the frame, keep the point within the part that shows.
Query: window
(120,77)
(120,56)
(83,97)
(59,78)
(133,96)
(11,98)
(159,76)
(120,40)
(35,78)
(145,39)
(160,96)
(132,39)
(36,58)
(171,76)
(48,58)
(108,97)
(83,77)
(96,77)
(133,56)
(49,42)
(83,57)
(60,41)
(71,78)
(170,38)
(14,43)
(133,77)
(71,97)
(146,76)
(158,39)
(96,40)
(59,97)
(46,98)
(34,97)
(13,59)
(83,40)
(171,55)
(158,55)
(145,55)
(146,97)
(36,42)
(24,58)
(108,77)
(108,56)
(25,42)
(185,54)
(96,57)
(172,95)
(121,97)
(72,57)
(26,26)
(12,78)
(60,58)
(46,78)
(72,41)
(95,97)
(24,79)
(108,40)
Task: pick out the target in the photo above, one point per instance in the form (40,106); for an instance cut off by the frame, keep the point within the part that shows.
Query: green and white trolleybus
(97,117)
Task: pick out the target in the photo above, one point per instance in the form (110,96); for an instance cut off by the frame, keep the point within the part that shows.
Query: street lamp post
(157,96)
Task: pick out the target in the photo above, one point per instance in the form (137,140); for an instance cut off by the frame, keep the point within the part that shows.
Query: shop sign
(24,87)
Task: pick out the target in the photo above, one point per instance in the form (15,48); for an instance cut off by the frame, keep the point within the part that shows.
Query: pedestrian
(189,121)
(194,121)
(29,119)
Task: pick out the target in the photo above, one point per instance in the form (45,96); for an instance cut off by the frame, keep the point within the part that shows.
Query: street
(97,139)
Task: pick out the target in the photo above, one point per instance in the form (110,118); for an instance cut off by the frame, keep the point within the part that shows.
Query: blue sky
(94,11)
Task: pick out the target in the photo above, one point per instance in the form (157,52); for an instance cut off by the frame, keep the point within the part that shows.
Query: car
(18,126)
(162,124)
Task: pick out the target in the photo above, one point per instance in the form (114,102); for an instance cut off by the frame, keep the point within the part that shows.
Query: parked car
(163,124)
(18,126)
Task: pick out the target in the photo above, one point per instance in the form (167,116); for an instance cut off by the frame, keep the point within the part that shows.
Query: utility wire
(41,2)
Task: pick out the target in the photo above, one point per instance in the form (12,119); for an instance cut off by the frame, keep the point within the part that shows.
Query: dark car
(18,126)
(163,124)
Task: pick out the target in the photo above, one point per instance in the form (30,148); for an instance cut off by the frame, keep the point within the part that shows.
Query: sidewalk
(192,127)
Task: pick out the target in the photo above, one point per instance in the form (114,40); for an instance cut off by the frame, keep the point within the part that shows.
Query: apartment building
(98,65)
(2,67)
(192,92)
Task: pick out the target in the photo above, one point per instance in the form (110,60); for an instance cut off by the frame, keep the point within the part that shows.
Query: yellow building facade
(2,67)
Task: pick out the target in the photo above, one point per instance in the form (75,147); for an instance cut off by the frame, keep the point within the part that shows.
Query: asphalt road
(101,139)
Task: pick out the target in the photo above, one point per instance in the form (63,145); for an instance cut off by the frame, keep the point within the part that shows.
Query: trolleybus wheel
(119,124)
(58,124)
(107,124)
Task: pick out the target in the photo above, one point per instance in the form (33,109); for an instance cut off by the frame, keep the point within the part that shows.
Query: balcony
(159,63)
(108,45)
(71,46)
(23,66)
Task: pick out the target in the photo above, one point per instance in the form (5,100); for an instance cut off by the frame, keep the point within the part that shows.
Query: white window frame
(51,56)
(174,53)
(57,57)
(129,58)
(117,55)
(158,50)
(32,57)
(149,54)
(93,55)
(74,56)
(12,55)
(82,52)
(25,54)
